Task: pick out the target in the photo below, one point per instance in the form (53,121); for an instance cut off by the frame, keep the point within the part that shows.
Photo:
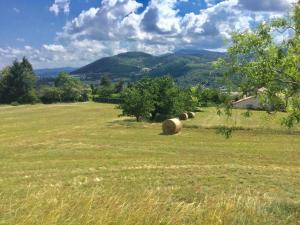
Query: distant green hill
(185,66)
(46,73)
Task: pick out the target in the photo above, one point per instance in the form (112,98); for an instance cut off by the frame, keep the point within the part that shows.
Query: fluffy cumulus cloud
(160,28)
(126,25)
(104,22)
(9,53)
(60,6)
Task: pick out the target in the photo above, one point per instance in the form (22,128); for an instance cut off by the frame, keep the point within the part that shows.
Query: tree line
(149,98)
(18,85)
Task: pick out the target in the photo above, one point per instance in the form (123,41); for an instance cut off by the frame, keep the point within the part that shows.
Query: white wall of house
(248,103)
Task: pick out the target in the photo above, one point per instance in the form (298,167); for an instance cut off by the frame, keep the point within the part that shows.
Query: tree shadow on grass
(132,123)
(129,123)
(241,128)
(123,122)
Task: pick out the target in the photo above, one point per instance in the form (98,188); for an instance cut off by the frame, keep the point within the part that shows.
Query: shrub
(66,89)
(14,103)
(50,95)
(86,94)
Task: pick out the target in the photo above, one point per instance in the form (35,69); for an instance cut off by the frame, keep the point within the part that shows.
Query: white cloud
(159,28)
(28,47)
(103,22)
(119,25)
(60,6)
(55,48)
(8,54)
(161,17)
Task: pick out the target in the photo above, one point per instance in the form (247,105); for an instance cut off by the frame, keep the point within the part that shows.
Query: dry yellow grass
(81,164)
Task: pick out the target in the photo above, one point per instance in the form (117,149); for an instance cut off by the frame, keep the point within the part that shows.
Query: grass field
(82,164)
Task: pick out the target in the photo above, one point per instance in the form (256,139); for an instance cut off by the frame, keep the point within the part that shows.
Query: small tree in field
(137,102)
(257,60)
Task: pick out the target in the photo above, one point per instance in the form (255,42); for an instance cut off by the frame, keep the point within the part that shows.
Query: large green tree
(70,87)
(258,60)
(137,102)
(66,89)
(17,83)
(156,99)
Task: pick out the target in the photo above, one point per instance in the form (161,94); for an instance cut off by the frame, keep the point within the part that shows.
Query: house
(251,102)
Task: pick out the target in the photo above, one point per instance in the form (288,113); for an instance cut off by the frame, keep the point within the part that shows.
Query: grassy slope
(81,164)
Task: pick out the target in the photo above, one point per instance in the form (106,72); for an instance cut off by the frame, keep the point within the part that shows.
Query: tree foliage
(105,81)
(70,87)
(66,89)
(106,88)
(50,94)
(156,99)
(119,86)
(137,102)
(211,96)
(258,60)
(17,83)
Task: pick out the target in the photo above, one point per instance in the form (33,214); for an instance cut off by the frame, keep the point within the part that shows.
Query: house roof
(244,99)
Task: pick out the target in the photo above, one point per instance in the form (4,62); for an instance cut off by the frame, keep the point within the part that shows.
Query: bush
(50,95)
(14,103)
(210,96)
(107,100)
(86,94)
(66,89)
(105,92)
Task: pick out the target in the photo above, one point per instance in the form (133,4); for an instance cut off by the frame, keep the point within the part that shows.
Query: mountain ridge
(52,72)
(186,66)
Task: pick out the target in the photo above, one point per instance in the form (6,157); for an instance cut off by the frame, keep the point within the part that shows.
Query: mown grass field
(82,164)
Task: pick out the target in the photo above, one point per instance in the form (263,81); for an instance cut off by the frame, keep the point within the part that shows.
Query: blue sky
(55,33)
(32,20)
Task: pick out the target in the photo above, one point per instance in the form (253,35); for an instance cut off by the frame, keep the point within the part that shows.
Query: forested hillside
(185,66)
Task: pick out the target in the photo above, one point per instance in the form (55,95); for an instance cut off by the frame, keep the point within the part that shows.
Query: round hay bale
(171,126)
(191,115)
(183,116)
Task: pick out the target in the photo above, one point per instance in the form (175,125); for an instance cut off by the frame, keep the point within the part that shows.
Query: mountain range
(46,73)
(185,66)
